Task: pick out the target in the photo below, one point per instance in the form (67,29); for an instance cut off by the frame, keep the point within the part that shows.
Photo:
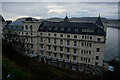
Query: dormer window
(55,28)
(98,39)
(41,28)
(83,30)
(50,28)
(76,30)
(62,29)
(90,30)
(68,36)
(99,31)
(48,34)
(69,29)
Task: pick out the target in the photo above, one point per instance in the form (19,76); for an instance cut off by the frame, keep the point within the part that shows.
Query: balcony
(74,62)
(60,59)
(41,42)
(61,52)
(48,43)
(68,46)
(49,50)
(41,55)
(49,57)
(32,55)
(55,51)
(32,49)
(74,46)
(55,44)
(54,58)
(68,53)
(67,60)
(41,49)
(61,45)
(74,54)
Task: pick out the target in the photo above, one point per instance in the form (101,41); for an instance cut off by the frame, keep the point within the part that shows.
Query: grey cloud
(40,9)
(60,0)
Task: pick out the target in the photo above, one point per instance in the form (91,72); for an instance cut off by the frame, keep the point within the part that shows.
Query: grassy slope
(16,73)
(22,67)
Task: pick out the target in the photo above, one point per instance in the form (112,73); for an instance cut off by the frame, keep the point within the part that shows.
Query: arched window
(26,27)
(31,28)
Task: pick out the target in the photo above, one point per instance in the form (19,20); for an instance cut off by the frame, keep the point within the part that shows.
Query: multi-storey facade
(71,45)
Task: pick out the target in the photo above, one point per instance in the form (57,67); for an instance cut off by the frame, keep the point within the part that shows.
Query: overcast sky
(60,0)
(14,10)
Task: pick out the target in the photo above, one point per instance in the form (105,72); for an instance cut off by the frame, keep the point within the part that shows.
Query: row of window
(31,39)
(85,59)
(70,29)
(85,52)
(32,52)
(68,49)
(68,57)
(88,44)
(61,56)
(86,37)
(69,36)
(75,58)
(26,27)
(30,33)
(29,45)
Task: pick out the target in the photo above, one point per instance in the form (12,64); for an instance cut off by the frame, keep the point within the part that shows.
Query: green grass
(22,67)
(16,73)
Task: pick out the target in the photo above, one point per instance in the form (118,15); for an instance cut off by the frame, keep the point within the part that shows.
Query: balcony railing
(61,45)
(74,61)
(55,44)
(74,54)
(49,50)
(68,53)
(55,51)
(61,52)
(48,43)
(49,57)
(55,58)
(67,60)
(41,42)
(68,46)
(74,46)
(41,48)
(41,55)
(60,59)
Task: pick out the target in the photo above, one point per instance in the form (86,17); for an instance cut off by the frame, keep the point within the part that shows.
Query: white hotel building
(70,45)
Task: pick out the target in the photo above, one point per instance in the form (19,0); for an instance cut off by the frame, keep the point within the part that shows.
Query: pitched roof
(2,19)
(70,27)
(66,19)
(99,22)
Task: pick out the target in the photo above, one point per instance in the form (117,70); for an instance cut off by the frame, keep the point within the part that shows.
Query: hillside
(22,67)
(78,19)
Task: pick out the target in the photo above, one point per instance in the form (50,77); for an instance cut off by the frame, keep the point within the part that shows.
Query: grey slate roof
(66,19)
(72,26)
(17,25)
(99,22)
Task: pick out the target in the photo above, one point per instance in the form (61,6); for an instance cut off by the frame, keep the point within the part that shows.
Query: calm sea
(111,50)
